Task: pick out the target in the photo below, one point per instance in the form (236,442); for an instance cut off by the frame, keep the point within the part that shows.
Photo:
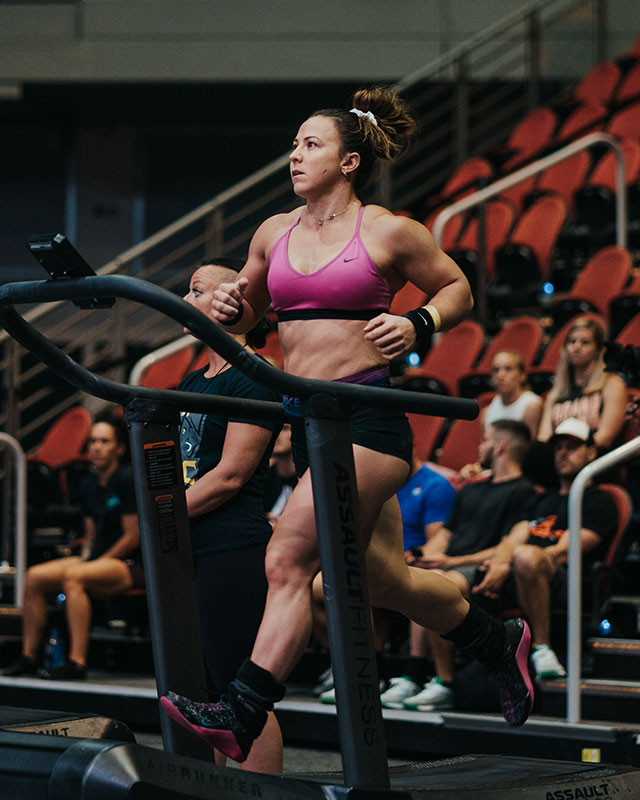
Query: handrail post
(461,109)
(20,514)
(481,267)
(574,591)
(533,59)
(621,198)
(600,21)
(214,233)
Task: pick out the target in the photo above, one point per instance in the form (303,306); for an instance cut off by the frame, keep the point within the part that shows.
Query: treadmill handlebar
(212,335)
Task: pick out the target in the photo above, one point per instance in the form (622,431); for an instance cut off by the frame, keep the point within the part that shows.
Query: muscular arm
(560,550)
(88,537)
(244,446)
(437,542)
(532,416)
(499,565)
(250,289)
(544,430)
(416,258)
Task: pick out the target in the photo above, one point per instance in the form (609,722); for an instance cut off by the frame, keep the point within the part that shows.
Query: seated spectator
(528,569)
(109,562)
(513,400)
(583,390)
(483,512)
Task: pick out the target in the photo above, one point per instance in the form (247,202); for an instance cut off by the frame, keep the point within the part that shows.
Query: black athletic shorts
(382,431)
(231,590)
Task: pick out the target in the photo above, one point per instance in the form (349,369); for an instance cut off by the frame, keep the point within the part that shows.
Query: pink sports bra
(348,287)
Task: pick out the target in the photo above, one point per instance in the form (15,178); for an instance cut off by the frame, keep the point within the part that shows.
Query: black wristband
(422,321)
(237,317)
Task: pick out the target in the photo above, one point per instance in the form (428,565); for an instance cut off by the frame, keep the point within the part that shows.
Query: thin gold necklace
(322,220)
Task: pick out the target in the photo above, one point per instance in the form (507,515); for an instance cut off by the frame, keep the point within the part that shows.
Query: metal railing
(480,197)
(463,101)
(574,593)
(19,520)
(139,368)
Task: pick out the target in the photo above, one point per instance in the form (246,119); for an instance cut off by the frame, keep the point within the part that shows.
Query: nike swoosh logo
(350,259)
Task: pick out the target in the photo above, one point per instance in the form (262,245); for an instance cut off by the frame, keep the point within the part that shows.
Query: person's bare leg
(266,752)
(533,570)
(442,650)
(292,559)
(41,580)
(418,641)
(291,564)
(103,577)
(319,612)
(427,598)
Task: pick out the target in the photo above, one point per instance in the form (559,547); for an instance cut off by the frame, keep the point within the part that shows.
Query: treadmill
(41,766)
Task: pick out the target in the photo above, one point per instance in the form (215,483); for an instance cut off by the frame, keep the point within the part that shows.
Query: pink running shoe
(512,673)
(216,723)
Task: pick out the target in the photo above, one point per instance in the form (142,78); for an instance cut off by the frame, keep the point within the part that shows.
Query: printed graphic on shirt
(112,501)
(191,428)
(544,532)
(586,408)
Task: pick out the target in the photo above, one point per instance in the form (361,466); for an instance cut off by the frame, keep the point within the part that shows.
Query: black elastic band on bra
(328,313)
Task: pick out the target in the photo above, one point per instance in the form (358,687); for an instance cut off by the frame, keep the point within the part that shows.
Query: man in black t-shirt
(483,512)
(528,568)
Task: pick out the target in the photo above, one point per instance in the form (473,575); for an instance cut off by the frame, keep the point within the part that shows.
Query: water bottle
(54,650)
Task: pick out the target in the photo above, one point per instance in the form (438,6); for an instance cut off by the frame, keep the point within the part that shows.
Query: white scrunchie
(368,114)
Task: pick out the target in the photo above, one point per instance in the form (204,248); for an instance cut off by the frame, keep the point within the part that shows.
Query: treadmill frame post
(346,595)
(154,432)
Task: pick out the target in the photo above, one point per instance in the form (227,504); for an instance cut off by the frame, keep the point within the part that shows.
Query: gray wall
(250,40)
(118,116)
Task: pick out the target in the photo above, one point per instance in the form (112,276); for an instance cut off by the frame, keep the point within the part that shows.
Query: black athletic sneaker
(216,723)
(69,671)
(512,673)
(23,666)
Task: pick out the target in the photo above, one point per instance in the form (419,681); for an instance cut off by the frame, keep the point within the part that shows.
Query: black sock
(252,693)
(480,636)
(417,668)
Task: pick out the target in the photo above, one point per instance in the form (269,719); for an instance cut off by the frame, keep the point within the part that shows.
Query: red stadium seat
(167,372)
(599,84)
(522,334)
(598,282)
(525,258)
(65,440)
(454,354)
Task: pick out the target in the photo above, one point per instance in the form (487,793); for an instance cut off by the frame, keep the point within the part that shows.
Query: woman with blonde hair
(583,390)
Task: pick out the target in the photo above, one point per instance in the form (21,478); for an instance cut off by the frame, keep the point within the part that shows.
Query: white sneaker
(546,663)
(434,697)
(400,688)
(329,697)
(325,682)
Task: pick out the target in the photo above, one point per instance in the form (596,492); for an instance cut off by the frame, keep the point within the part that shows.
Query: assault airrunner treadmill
(33,766)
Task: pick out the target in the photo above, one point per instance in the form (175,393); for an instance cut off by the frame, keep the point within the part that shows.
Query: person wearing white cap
(528,568)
